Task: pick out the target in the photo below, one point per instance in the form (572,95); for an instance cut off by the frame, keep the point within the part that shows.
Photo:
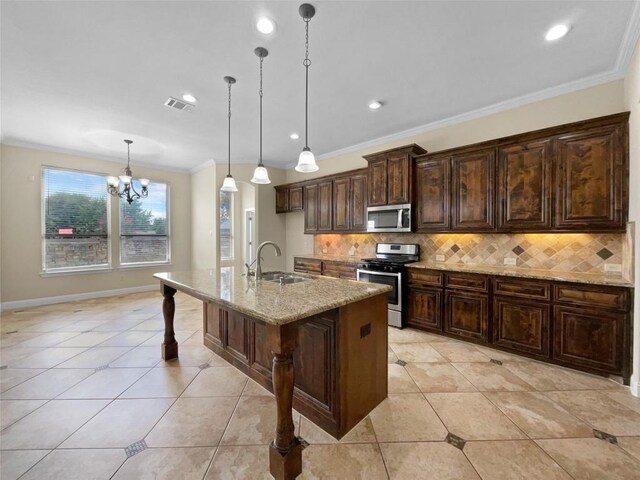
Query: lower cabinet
(325,267)
(425,309)
(467,314)
(522,327)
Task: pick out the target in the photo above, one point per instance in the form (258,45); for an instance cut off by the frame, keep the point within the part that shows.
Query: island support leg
(285,452)
(169,345)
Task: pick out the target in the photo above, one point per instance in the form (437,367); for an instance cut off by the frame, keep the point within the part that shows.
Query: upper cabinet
(318,200)
(473,200)
(433,178)
(350,202)
(390,175)
(289,198)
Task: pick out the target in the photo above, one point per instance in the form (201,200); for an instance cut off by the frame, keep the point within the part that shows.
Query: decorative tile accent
(12,331)
(86,331)
(402,363)
(518,250)
(455,248)
(303,442)
(607,437)
(605,253)
(497,362)
(135,448)
(204,366)
(102,367)
(2,367)
(455,440)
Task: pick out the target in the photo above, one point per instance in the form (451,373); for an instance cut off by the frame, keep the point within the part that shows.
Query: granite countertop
(268,301)
(576,277)
(331,258)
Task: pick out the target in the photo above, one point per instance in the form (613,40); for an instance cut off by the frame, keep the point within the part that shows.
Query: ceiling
(70,69)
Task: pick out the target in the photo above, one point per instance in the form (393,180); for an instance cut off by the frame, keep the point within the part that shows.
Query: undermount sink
(281,277)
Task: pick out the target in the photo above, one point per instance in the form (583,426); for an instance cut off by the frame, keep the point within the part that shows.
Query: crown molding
(629,40)
(202,166)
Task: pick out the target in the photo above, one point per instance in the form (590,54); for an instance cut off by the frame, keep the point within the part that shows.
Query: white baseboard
(36,302)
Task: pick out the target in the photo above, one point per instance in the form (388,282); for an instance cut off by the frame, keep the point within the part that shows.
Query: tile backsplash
(560,252)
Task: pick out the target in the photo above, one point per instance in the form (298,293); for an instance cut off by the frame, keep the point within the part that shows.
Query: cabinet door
(341,211)
(295,199)
(378,181)
(524,186)
(325,206)
(523,327)
(473,191)
(467,314)
(213,322)
(591,173)
(433,180)
(398,175)
(237,335)
(589,338)
(358,203)
(282,199)
(311,208)
(425,309)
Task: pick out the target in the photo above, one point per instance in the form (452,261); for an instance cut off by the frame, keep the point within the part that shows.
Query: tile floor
(84,395)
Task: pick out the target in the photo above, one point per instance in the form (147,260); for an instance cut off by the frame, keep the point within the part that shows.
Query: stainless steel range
(388,268)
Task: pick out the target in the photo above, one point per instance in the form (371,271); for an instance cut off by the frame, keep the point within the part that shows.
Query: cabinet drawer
(592,296)
(522,288)
(339,270)
(466,281)
(307,265)
(425,277)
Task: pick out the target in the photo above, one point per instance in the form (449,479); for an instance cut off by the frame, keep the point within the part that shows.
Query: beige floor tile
(601,411)
(13,410)
(234,463)
(195,339)
(409,335)
(591,459)
(167,464)
(131,338)
(538,416)
(50,424)
(426,461)
(49,384)
(361,433)
(216,382)
(400,381)
(13,463)
(119,425)
(496,354)
(193,422)
(460,352)
(438,377)
(13,356)
(341,461)
(155,323)
(513,460)
(181,335)
(473,417)
(391,356)
(254,422)
(194,356)
(82,325)
(252,388)
(139,357)
(631,445)
(95,357)
(50,339)
(626,399)
(162,382)
(88,339)
(406,418)
(489,377)
(86,464)
(108,383)
(10,377)
(120,325)
(416,352)
(17,338)
(550,377)
(47,357)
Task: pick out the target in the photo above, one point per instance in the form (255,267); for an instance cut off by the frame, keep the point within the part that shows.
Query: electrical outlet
(612,267)
(324,250)
(509,261)
(439,258)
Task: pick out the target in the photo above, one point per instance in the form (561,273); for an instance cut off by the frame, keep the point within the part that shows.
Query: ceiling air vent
(178,104)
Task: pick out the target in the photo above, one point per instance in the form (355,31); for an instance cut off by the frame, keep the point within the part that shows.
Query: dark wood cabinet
(325,267)
(524,186)
(325,206)
(398,179)
(433,182)
(377,181)
(521,326)
(282,199)
(341,210)
(296,199)
(425,308)
(467,314)
(311,208)
(473,196)
(237,335)
(307,265)
(289,199)
(591,179)
(358,202)
(214,320)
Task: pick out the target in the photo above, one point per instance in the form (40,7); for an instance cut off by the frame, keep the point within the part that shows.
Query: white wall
(204,197)
(632,103)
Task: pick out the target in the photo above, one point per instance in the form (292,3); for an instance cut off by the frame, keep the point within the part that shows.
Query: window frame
(231,230)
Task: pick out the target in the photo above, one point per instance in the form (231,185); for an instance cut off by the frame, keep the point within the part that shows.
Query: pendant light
(306,160)
(260,174)
(229,184)
(122,186)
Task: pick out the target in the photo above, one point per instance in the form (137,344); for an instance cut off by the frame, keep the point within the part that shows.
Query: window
(226,225)
(144,230)
(75,221)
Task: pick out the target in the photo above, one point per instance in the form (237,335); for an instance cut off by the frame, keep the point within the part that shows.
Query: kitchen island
(319,344)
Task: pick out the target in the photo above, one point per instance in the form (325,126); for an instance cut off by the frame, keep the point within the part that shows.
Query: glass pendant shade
(144,182)
(229,184)
(306,162)
(126,179)
(113,181)
(260,176)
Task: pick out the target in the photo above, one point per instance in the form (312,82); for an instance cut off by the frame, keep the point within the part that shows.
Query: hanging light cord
(260,93)
(229,135)
(306,64)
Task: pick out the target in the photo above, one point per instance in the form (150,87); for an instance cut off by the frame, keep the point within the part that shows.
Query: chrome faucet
(259,260)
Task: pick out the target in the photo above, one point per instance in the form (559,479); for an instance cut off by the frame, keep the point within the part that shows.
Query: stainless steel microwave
(389,218)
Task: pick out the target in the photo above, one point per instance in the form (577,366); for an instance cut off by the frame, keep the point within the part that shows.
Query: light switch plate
(509,261)
(612,267)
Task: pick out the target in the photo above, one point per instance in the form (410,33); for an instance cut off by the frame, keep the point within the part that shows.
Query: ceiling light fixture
(122,186)
(187,97)
(265,25)
(229,184)
(556,32)
(260,174)
(375,105)
(306,160)
(294,136)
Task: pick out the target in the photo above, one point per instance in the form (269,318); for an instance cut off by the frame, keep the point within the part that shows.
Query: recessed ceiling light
(556,32)
(294,136)
(375,105)
(265,25)
(189,98)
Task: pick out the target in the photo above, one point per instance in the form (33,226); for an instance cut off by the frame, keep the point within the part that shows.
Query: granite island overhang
(319,345)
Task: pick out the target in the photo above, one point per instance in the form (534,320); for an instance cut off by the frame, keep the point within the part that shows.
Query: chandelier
(122,186)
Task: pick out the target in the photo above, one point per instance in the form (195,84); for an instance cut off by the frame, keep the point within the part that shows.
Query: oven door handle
(374,272)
